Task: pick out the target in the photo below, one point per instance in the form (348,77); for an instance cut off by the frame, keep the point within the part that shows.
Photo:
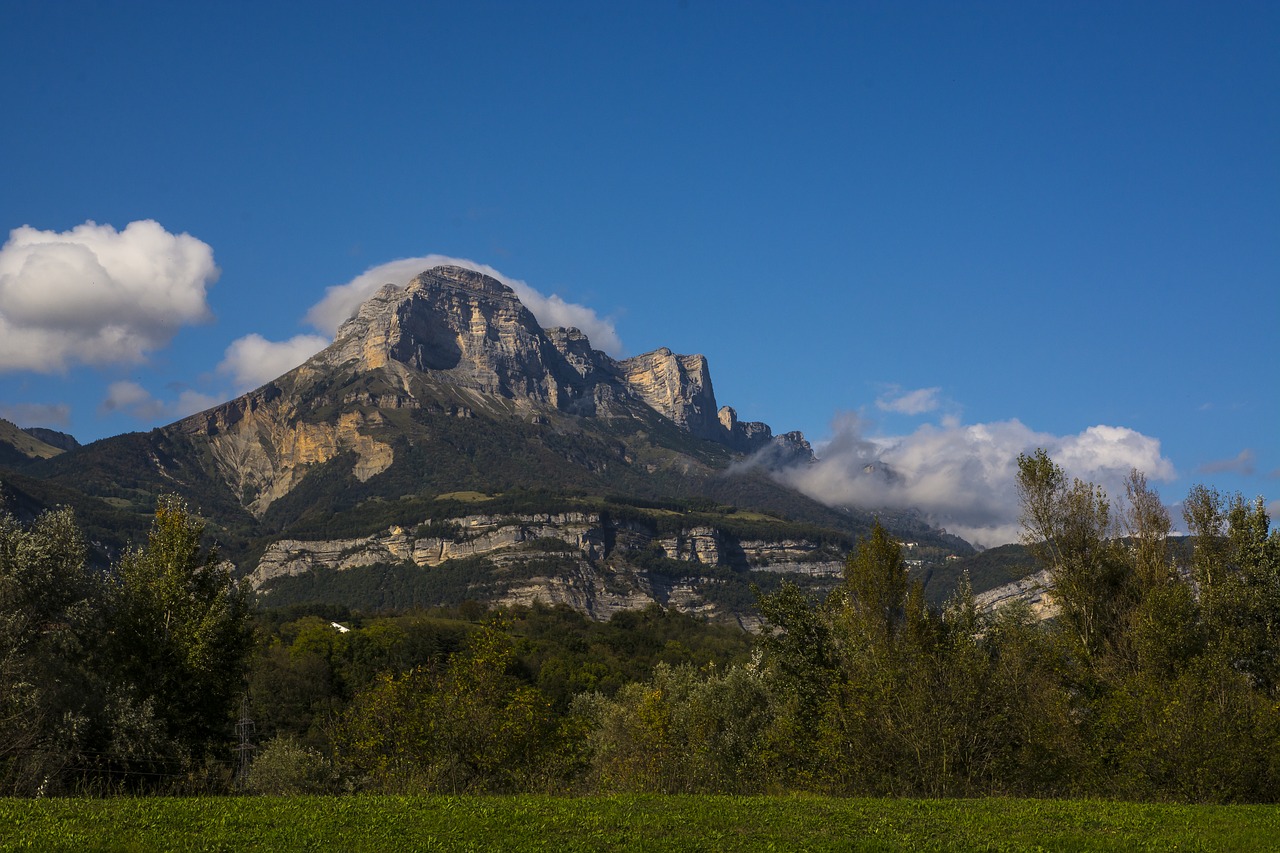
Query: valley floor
(647,823)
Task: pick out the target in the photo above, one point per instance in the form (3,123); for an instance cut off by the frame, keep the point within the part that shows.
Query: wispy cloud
(963,476)
(137,402)
(1243,462)
(36,414)
(916,402)
(341,301)
(94,295)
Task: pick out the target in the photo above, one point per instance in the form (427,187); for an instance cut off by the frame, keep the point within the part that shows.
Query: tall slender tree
(182,635)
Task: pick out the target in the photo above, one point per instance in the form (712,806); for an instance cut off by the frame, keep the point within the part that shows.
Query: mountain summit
(454,342)
(471,332)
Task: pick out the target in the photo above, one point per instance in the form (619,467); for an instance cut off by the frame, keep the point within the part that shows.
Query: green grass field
(627,823)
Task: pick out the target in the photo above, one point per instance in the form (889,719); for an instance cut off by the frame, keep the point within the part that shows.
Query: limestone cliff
(678,387)
(597,558)
(466,328)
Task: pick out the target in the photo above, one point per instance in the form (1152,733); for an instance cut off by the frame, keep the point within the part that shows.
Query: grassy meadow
(361,823)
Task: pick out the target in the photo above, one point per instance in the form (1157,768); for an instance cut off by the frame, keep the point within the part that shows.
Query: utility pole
(245,731)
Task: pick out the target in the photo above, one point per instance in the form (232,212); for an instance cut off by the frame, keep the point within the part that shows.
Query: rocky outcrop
(678,387)
(588,537)
(1033,590)
(468,328)
(262,455)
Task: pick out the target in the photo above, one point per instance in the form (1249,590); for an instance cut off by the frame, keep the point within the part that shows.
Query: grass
(465,497)
(644,823)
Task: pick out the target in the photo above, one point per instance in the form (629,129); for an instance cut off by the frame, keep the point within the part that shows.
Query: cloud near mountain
(136,401)
(253,360)
(341,301)
(95,295)
(963,476)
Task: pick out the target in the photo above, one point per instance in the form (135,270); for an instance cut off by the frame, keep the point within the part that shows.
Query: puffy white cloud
(36,414)
(136,401)
(341,301)
(915,402)
(95,295)
(963,476)
(1242,463)
(253,360)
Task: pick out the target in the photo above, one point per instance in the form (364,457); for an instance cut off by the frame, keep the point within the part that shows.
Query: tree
(51,608)
(1238,571)
(181,634)
(472,726)
(1069,529)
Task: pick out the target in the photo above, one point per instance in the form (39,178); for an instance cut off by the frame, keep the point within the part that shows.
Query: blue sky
(928,233)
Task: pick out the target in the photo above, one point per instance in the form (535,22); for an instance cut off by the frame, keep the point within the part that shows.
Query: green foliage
(182,636)
(987,570)
(115,682)
(640,822)
(471,726)
(1144,686)
(285,767)
(1069,529)
(681,731)
(50,626)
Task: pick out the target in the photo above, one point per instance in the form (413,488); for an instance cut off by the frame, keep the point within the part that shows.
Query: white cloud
(915,402)
(136,401)
(341,301)
(1242,463)
(36,414)
(95,295)
(253,360)
(962,476)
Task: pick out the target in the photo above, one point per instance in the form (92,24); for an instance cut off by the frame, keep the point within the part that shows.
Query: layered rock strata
(588,536)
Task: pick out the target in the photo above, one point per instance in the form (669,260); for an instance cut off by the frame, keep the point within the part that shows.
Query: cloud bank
(94,295)
(253,360)
(962,477)
(341,301)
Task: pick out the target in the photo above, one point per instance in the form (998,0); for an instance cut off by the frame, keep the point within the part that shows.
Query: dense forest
(1156,677)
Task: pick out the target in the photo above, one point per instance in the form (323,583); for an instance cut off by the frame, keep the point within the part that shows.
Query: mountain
(446,446)
(19,446)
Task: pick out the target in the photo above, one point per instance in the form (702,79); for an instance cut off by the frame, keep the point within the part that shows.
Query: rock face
(463,343)
(467,327)
(1034,590)
(677,387)
(597,570)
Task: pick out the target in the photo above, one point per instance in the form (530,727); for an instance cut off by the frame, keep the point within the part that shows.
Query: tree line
(1155,677)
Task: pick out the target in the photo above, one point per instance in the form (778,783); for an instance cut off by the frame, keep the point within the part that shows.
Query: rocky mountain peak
(471,331)
(448,275)
(464,327)
(460,342)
